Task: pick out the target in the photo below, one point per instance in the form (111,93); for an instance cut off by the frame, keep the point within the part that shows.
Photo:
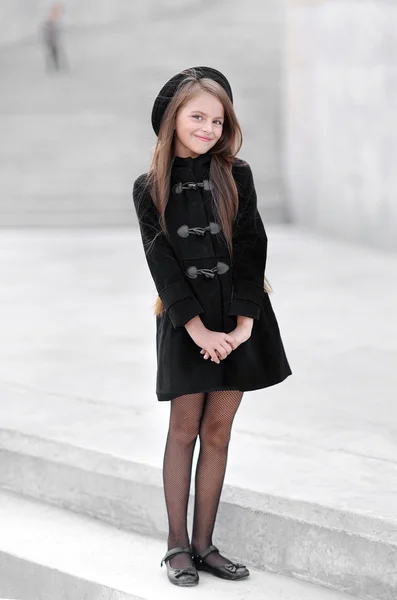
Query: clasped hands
(216,344)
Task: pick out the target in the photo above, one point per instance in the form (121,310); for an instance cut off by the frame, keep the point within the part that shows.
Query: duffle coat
(193,275)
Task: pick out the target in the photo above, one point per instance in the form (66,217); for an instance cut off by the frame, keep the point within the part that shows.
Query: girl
(217,335)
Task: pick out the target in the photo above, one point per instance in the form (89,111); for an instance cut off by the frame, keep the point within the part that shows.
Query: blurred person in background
(52,36)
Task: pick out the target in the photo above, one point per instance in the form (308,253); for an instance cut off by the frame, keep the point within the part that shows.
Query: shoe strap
(174,552)
(207,551)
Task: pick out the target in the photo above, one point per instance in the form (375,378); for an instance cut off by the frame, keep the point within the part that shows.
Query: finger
(222,352)
(232,340)
(228,347)
(214,356)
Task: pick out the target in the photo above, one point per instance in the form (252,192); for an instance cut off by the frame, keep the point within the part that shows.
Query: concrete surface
(48,553)
(340,550)
(340,118)
(77,366)
(73,143)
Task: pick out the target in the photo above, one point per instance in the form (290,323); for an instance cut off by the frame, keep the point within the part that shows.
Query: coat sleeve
(171,284)
(249,251)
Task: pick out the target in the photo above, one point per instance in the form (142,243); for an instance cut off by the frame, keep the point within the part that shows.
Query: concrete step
(336,549)
(48,553)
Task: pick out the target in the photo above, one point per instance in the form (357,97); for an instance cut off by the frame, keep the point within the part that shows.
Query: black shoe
(229,571)
(184,577)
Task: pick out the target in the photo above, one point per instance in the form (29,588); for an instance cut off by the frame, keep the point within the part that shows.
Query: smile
(202,139)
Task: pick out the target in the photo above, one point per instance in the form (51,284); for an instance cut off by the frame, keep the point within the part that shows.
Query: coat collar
(184,168)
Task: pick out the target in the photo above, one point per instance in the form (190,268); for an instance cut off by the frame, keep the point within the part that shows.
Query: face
(199,125)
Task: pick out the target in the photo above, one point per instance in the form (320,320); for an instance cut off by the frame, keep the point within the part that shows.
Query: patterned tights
(208,415)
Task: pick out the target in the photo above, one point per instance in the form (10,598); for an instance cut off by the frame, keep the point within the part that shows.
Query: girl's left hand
(241,334)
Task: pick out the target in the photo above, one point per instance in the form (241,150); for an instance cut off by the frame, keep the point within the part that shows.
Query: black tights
(208,415)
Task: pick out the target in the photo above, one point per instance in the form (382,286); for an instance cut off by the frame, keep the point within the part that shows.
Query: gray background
(340,118)
(74,143)
(314,86)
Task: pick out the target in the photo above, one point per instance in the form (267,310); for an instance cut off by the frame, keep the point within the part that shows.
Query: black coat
(218,291)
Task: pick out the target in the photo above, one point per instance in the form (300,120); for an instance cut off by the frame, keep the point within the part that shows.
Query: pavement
(78,368)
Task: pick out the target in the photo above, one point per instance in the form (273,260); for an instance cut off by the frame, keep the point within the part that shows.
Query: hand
(240,334)
(216,344)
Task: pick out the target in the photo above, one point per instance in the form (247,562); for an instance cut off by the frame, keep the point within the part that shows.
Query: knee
(185,432)
(216,434)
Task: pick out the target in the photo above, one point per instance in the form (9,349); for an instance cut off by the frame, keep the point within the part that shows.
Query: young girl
(217,335)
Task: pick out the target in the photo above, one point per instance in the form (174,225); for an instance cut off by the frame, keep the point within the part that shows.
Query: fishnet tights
(210,416)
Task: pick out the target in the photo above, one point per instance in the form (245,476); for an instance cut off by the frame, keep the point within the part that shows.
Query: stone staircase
(346,552)
(49,553)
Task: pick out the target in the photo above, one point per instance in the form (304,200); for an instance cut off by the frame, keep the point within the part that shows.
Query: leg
(63,60)
(215,433)
(49,57)
(185,416)
(55,55)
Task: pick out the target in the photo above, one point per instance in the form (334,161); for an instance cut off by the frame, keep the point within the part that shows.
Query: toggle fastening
(193,271)
(184,230)
(191,185)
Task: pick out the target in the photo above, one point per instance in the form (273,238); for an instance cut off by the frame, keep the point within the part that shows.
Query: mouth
(202,138)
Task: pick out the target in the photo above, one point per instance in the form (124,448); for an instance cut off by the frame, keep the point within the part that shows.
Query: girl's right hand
(217,344)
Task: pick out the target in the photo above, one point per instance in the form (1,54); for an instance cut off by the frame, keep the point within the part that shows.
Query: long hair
(223,189)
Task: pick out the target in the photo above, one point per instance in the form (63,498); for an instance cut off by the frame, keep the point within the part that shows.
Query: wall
(341,118)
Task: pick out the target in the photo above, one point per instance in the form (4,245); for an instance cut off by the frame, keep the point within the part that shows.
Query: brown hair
(223,189)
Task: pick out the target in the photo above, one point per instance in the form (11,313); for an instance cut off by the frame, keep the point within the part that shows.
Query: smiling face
(198,125)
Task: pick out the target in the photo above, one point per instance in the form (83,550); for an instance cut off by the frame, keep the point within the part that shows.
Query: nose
(207,127)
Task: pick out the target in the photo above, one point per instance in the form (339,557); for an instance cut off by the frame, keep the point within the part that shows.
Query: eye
(200,117)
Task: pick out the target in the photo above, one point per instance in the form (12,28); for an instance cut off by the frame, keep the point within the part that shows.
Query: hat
(168,90)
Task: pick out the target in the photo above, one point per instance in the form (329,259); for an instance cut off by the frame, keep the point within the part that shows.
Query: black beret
(168,90)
